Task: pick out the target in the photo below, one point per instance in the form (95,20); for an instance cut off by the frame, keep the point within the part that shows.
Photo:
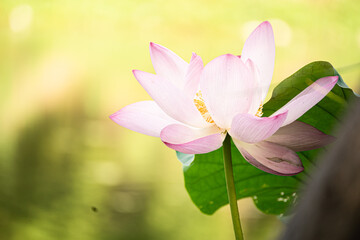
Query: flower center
(200,105)
(259,112)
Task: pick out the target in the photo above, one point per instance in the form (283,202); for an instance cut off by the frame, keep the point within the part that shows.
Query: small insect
(94,209)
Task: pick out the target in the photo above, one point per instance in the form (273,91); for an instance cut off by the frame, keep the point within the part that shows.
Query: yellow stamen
(200,105)
(259,112)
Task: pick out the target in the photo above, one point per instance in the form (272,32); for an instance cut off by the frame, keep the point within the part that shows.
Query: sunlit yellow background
(67,171)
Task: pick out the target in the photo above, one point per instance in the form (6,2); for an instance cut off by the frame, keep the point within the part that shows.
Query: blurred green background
(67,171)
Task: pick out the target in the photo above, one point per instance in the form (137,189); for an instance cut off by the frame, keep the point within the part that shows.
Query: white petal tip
(112,116)
(117,117)
(155,46)
(265,24)
(331,80)
(195,57)
(136,73)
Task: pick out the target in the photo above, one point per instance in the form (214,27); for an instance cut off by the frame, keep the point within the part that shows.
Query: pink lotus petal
(308,98)
(170,99)
(144,117)
(260,48)
(300,136)
(227,87)
(177,133)
(199,146)
(251,129)
(168,65)
(190,140)
(257,98)
(271,157)
(257,164)
(192,78)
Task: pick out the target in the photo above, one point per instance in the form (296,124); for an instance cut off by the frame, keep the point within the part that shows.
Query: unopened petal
(170,99)
(260,48)
(168,65)
(227,87)
(191,140)
(144,117)
(271,157)
(308,98)
(252,129)
(300,136)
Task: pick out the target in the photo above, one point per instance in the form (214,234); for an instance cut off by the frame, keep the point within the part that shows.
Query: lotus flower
(195,107)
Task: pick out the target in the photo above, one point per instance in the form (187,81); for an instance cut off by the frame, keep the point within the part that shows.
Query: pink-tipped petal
(271,157)
(227,87)
(190,140)
(308,98)
(260,48)
(170,99)
(192,77)
(252,129)
(168,65)
(300,136)
(144,117)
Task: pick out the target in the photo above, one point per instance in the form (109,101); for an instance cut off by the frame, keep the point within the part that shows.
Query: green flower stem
(230,186)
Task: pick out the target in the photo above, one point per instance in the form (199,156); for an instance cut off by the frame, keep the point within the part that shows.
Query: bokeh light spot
(20,18)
